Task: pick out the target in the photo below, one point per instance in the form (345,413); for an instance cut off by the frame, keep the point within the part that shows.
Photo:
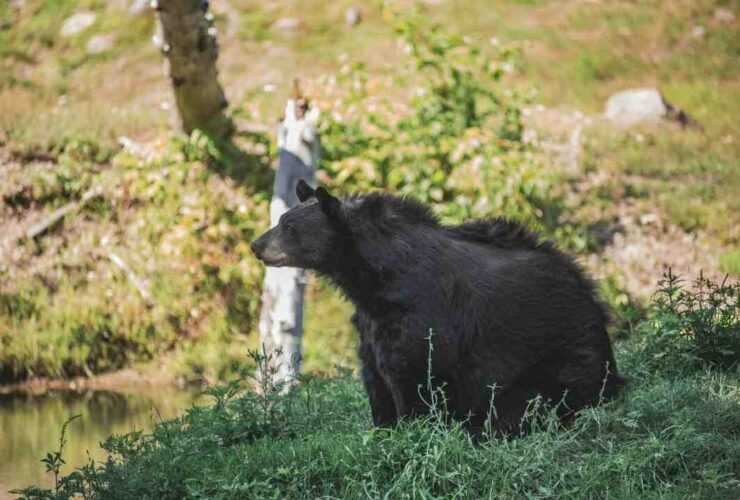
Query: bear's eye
(290,228)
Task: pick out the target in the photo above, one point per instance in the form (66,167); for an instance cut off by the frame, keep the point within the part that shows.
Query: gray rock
(352,16)
(77,23)
(630,107)
(99,44)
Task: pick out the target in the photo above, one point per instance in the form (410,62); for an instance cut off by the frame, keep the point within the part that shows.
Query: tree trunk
(281,317)
(191,50)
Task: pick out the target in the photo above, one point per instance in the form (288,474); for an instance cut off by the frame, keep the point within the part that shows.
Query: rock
(724,15)
(630,107)
(287,24)
(77,23)
(352,16)
(99,44)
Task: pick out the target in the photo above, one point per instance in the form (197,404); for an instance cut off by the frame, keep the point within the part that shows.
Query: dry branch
(53,218)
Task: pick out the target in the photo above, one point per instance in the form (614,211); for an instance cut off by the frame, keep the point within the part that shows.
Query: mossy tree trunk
(191,50)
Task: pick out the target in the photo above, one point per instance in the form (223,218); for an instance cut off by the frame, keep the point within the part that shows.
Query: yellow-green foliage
(182,229)
(456,144)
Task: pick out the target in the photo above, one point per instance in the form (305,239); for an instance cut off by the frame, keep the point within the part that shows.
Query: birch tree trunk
(281,318)
(191,50)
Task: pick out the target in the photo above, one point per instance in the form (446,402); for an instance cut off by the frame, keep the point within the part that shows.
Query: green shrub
(691,327)
(457,142)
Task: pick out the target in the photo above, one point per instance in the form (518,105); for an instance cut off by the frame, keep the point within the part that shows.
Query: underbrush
(158,259)
(456,145)
(667,437)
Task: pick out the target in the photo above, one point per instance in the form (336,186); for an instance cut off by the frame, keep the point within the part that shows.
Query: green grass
(674,433)
(688,176)
(662,439)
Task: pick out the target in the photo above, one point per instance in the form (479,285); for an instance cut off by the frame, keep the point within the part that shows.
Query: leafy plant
(53,462)
(457,142)
(691,327)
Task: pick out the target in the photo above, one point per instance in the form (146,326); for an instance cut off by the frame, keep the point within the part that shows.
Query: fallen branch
(52,219)
(137,282)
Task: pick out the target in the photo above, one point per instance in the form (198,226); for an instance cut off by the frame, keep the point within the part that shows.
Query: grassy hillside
(496,111)
(179,212)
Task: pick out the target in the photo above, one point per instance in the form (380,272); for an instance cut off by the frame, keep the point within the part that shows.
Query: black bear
(510,317)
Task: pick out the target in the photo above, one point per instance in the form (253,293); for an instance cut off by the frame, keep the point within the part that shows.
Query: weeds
(691,328)
(457,142)
(53,462)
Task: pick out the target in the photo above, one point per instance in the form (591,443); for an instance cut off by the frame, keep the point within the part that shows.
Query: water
(30,425)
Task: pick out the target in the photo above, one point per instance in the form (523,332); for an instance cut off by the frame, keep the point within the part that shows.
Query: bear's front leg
(405,376)
(381,401)
(409,395)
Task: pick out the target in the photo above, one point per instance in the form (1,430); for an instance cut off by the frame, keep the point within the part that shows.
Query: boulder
(77,23)
(630,107)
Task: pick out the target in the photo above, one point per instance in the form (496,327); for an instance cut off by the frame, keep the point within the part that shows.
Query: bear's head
(308,235)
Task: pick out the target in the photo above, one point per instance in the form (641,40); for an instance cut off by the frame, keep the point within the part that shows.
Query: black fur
(505,310)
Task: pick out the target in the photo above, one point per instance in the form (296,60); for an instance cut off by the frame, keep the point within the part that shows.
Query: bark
(191,50)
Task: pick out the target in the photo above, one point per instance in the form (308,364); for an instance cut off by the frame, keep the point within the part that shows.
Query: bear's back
(497,273)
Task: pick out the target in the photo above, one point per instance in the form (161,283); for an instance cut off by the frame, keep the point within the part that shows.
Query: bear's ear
(329,204)
(303,191)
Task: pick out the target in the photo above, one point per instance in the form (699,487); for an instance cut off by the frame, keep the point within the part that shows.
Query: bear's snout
(269,249)
(258,246)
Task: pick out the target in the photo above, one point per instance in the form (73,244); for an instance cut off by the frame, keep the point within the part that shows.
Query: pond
(30,425)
